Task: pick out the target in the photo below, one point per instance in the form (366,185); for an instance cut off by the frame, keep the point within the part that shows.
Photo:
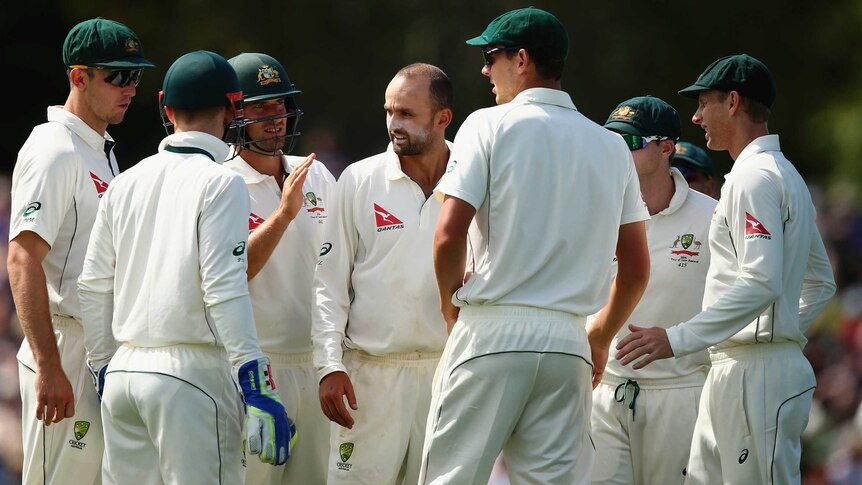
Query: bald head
(439,85)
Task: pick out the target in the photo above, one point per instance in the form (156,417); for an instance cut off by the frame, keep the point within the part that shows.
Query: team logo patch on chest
(385,220)
(685,249)
(101,186)
(754,229)
(314,207)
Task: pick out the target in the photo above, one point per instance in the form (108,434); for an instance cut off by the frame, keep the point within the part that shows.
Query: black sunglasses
(118,77)
(487,53)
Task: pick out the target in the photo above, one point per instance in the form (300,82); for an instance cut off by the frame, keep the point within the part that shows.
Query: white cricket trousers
(642,430)
(172,416)
(69,451)
(753,410)
(297,385)
(534,406)
(393,394)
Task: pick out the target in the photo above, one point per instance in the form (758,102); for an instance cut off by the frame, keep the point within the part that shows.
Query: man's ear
(667,148)
(444,118)
(734,100)
(76,77)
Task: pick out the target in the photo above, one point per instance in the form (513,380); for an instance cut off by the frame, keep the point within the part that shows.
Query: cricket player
(377,332)
(768,279)
(695,165)
(548,196)
(289,198)
(166,313)
(635,409)
(62,171)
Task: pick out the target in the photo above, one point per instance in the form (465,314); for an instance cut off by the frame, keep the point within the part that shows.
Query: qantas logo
(101,186)
(754,229)
(254,220)
(385,220)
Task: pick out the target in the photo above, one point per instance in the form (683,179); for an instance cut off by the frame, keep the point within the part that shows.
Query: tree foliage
(342,54)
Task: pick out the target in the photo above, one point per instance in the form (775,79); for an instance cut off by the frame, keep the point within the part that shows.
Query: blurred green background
(342,53)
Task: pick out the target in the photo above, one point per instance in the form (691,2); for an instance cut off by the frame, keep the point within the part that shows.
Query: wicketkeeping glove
(98,379)
(268,431)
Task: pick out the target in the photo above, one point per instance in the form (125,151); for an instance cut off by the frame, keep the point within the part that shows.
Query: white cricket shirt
(375,288)
(61,174)
(770,275)
(281,292)
(679,260)
(168,244)
(551,189)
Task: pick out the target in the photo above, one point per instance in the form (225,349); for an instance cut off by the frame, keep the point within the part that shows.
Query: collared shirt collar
(393,163)
(217,149)
(555,97)
(766,143)
(680,187)
(90,136)
(250,174)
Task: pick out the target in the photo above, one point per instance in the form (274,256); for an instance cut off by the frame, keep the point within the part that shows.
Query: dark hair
(546,66)
(757,112)
(440,86)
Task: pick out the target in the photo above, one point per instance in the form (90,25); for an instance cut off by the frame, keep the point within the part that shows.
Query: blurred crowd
(11,454)
(832,443)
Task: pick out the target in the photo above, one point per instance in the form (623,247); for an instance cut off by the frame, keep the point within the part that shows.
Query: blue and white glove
(269,432)
(98,379)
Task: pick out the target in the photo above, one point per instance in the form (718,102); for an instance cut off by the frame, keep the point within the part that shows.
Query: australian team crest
(314,206)
(625,113)
(267,75)
(686,240)
(131,45)
(81,428)
(344,451)
(685,249)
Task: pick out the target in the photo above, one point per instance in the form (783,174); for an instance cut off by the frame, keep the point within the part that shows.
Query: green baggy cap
(101,42)
(689,153)
(200,79)
(741,73)
(645,116)
(530,28)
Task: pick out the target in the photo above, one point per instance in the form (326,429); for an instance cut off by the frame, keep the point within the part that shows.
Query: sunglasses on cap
(636,142)
(118,77)
(487,53)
